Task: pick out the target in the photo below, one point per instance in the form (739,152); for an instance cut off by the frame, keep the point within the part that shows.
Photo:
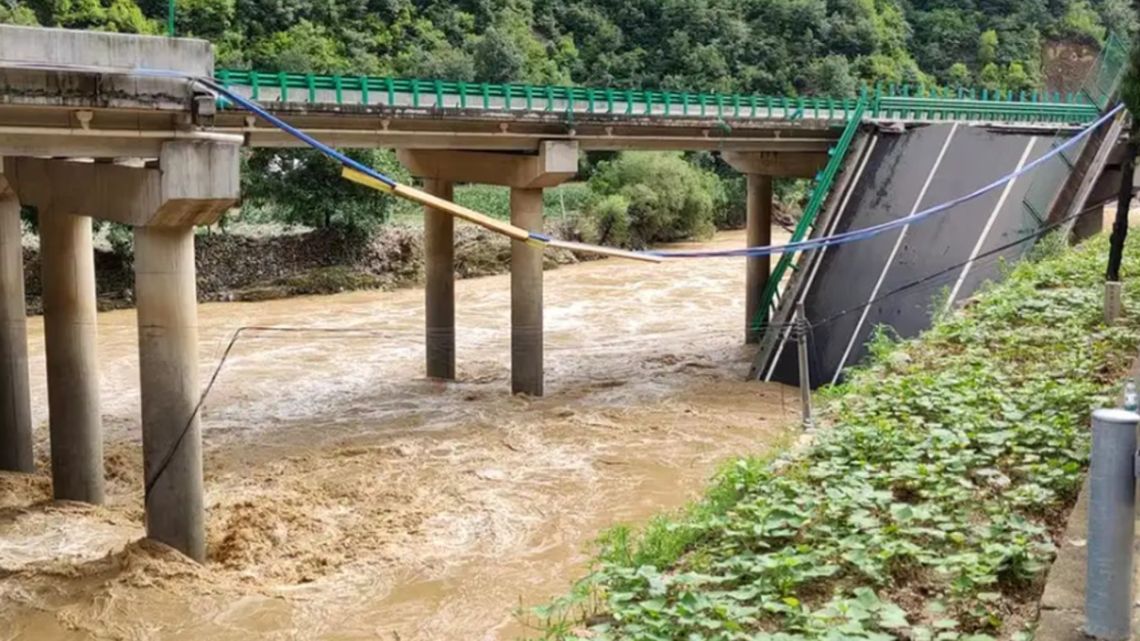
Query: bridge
(86,133)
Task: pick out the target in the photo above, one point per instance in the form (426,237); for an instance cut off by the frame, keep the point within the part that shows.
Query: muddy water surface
(349,498)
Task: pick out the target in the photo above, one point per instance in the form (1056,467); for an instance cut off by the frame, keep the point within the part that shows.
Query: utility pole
(170,18)
(1130,93)
(802,330)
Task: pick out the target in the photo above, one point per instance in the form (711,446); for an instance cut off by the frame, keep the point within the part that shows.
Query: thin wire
(166,460)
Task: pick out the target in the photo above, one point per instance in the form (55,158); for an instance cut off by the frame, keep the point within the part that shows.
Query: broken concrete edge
(1062,607)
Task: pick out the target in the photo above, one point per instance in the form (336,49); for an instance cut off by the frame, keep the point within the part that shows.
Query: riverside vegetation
(926,509)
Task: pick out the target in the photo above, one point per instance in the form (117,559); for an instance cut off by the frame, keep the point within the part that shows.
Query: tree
(990,77)
(987,48)
(831,76)
(959,75)
(498,58)
(1082,23)
(17,14)
(305,187)
(1017,79)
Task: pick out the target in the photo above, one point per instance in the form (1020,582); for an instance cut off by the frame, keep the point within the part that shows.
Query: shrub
(668,198)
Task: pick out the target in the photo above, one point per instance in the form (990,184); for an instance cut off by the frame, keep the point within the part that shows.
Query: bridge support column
(1089,224)
(194,184)
(74,419)
(168,373)
(526,296)
(439,286)
(760,168)
(527,176)
(15,404)
(759,233)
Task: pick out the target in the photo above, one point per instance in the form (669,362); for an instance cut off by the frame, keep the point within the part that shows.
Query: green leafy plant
(924,511)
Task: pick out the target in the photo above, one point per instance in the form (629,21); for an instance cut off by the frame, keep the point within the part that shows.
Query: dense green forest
(765,46)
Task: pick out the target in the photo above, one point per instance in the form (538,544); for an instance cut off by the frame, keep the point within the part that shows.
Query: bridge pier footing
(168,371)
(439,285)
(1088,225)
(15,404)
(74,411)
(759,234)
(526,296)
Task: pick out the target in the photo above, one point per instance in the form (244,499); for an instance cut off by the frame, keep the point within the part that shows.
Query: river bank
(251,267)
(350,498)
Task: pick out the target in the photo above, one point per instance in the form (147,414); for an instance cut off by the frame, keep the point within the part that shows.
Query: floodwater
(349,498)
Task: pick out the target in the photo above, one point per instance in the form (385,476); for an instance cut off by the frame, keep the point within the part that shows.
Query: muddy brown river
(349,498)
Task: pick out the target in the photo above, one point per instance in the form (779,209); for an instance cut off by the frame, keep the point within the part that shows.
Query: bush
(492,200)
(668,198)
(607,222)
(567,199)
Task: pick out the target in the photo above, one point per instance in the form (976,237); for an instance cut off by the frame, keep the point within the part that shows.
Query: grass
(927,509)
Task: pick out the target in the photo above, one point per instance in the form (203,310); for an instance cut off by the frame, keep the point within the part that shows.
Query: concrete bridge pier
(439,285)
(168,371)
(193,184)
(759,169)
(15,404)
(758,232)
(527,175)
(74,413)
(526,295)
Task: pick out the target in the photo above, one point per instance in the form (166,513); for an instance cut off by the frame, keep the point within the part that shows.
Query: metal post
(1112,517)
(1112,301)
(802,330)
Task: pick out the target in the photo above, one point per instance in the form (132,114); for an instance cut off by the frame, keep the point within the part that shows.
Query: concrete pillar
(68,268)
(15,404)
(439,288)
(759,232)
(1088,224)
(526,296)
(168,369)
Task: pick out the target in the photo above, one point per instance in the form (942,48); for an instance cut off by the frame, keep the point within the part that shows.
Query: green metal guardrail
(892,101)
(770,297)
